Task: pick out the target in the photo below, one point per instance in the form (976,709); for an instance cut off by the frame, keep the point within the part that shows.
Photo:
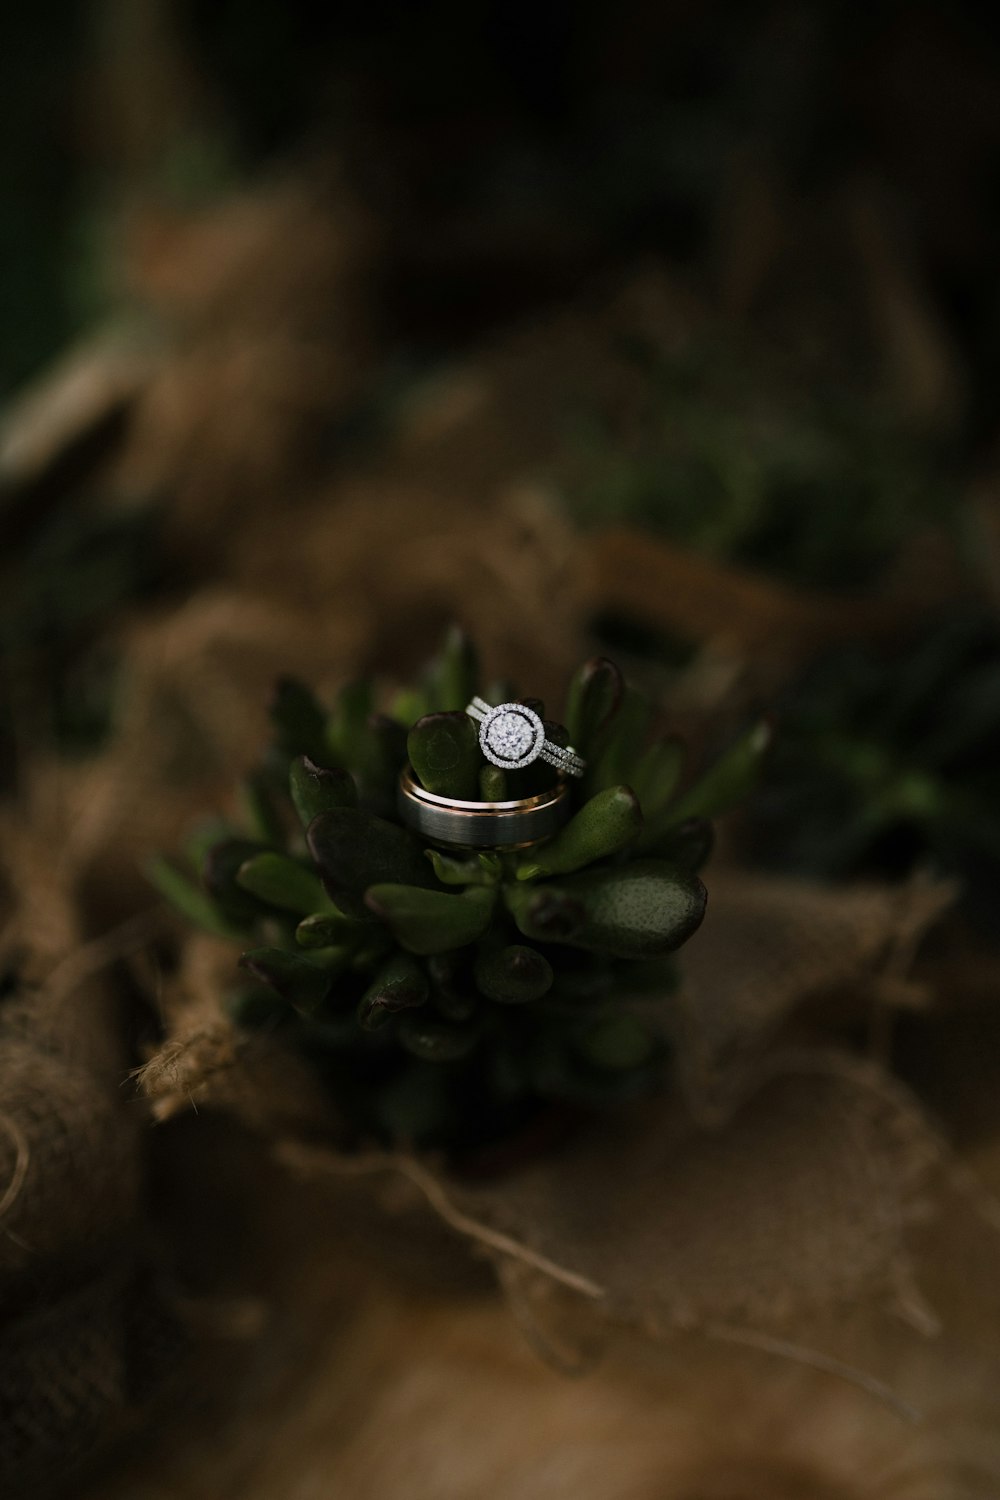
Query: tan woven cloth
(69,1176)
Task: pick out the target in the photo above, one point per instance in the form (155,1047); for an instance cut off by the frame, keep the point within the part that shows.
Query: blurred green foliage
(809,482)
(41,239)
(887,761)
(63,589)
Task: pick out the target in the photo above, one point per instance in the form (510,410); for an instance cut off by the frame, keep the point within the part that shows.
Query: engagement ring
(513,736)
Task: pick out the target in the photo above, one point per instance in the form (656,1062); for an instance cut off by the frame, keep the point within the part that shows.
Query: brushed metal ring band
(481,825)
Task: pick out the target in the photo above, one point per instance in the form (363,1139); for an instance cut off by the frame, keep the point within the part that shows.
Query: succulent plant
(447,994)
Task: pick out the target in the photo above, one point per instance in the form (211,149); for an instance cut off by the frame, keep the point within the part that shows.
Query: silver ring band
(512,735)
(481,825)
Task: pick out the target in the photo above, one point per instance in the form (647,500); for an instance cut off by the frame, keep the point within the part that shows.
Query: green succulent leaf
(493,784)
(190,899)
(657,774)
(436,1040)
(595,696)
(454,676)
(346,725)
(315,789)
(640,909)
(426,921)
(686,845)
(477,869)
(329,929)
(282,882)
(603,826)
(513,975)
(219,872)
(380,757)
(449,996)
(257,1007)
(260,806)
(444,752)
(203,837)
(298,719)
(401,984)
(303,982)
(729,780)
(354,850)
(409,705)
(617,1042)
(618,757)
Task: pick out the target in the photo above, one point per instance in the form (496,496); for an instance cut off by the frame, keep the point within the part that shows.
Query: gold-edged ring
(482,825)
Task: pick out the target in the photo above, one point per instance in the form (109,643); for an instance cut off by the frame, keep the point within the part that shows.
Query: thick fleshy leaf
(686,845)
(354,850)
(260,807)
(345,727)
(380,757)
(219,871)
(637,910)
(298,719)
(426,921)
(493,784)
(189,898)
(603,826)
(500,690)
(436,1040)
(595,695)
(330,929)
(315,789)
(657,774)
(204,836)
(476,869)
(282,882)
(450,996)
(257,1008)
(409,705)
(444,752)
(729,780)
(620,749)
(401,984)
(513,975)
(303,982)
(454,675)
(617,1042)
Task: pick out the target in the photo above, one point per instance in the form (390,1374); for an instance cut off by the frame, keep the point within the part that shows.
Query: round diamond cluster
(511,735)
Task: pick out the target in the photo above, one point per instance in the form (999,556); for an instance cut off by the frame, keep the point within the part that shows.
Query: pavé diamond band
(512,736)
(481,825)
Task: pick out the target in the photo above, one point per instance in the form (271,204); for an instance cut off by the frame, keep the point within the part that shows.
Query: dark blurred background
(512,149)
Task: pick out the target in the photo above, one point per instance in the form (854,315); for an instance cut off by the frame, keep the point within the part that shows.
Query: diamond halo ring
(512,736)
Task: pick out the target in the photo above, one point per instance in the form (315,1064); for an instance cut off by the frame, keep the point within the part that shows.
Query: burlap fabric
(76,1339)
(794,1190)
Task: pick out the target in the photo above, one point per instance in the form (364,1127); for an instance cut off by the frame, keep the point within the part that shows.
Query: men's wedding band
(512,735)
(481,825)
